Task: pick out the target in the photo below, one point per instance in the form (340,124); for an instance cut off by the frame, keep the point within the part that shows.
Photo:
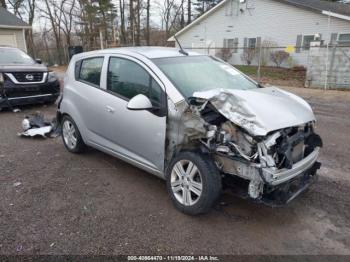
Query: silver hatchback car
(193,120)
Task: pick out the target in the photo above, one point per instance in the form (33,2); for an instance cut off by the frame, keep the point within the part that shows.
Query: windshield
(200,73)
(9,56)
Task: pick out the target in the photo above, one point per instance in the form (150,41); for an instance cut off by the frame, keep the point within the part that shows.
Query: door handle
(110,109)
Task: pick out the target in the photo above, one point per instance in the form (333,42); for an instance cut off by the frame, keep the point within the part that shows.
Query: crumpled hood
(259,111)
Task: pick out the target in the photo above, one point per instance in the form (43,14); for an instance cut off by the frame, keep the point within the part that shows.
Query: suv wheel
(71,136)
(193,182)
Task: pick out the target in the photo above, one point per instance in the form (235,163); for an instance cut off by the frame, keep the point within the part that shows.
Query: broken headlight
(52,77)
(1,78)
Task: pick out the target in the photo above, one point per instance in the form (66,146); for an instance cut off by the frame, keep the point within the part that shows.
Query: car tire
(71,137)
(196,186)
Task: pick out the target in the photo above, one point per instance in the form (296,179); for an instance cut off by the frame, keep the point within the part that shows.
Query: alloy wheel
(186,182)
(69,134)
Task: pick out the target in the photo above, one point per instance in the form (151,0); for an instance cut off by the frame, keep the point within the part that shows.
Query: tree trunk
(147,22)
(131,18)
(122,22)
(138,22)
(29,32)
(189,12)
(56,31)
(182,20)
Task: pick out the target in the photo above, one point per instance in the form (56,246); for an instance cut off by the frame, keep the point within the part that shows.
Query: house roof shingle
(9,20)
(320,5)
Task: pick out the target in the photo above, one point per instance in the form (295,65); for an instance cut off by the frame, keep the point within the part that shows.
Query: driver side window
(128,79)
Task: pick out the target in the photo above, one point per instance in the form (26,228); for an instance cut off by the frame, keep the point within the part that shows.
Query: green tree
(202,6)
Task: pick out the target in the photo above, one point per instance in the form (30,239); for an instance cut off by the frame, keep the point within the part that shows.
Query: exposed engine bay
(266,163)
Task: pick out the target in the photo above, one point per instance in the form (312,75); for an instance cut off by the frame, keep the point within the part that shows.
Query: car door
(86,96)
(139,135)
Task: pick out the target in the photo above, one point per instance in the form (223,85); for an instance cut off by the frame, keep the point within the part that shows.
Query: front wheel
(71,137)
(193,182)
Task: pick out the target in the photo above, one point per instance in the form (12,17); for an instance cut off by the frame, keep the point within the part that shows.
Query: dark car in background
(24,80)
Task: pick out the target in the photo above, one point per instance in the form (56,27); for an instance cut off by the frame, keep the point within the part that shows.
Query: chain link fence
(54,56)
(315,65)
(312,66)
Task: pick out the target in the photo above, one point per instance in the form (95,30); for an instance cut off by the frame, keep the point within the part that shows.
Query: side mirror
(38,61)
(139,102)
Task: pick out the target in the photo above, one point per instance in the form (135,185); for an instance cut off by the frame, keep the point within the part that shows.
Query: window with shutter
(307,39)
(231,43)
(334,37)
(344,40)
(298,43)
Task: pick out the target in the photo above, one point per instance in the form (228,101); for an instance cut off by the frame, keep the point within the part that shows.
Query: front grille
(28,76)
(18,90)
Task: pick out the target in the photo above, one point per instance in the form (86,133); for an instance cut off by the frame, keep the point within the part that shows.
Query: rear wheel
(193,182)
(71,136)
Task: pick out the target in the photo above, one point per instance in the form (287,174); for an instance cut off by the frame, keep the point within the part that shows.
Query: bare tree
(53,12)
(225,54)
(267,47)
(189,12)
(147,22)
(248,55)
(122,21)
(15,6)
(278,57)
(67,21)
(131,20)
(170,11)
(138,21)
(31,8)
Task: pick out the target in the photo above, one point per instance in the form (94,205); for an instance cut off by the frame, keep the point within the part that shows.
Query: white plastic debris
(26,124)
(41,131)
(16,110)
(37,125)
(17,184)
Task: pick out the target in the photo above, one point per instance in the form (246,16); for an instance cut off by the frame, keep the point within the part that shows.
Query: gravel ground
(54,202)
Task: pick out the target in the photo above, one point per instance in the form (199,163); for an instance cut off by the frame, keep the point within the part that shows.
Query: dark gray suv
(24,80)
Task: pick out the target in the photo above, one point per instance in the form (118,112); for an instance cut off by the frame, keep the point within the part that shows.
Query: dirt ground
(54,202)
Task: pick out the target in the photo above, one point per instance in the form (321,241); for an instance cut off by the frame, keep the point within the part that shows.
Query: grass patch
(275,75)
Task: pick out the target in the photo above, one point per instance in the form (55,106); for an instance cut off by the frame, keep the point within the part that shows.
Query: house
(238,24)
(12,30)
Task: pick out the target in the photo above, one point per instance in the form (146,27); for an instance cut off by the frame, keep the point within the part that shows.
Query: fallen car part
(40,131)
(36,125)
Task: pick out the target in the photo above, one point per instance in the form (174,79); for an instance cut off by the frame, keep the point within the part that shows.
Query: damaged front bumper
(273,176)
(282,194)
(273,187)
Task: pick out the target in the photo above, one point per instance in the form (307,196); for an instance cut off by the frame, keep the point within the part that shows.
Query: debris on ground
(37,125)
(19,248)
(17,184)
(16,110)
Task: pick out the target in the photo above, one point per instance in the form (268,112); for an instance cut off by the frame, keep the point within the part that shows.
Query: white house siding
(268,19)
(18,36)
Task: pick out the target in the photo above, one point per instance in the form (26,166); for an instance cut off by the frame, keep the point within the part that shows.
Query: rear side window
(90,70)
